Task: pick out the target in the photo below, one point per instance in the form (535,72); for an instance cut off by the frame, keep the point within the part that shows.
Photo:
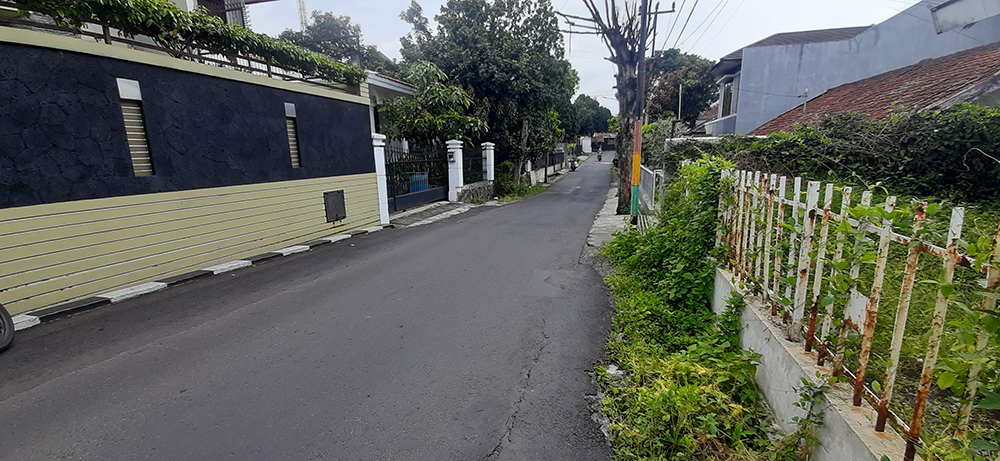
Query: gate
(415,177)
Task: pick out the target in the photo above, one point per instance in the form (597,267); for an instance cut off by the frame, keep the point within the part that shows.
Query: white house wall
(773,75)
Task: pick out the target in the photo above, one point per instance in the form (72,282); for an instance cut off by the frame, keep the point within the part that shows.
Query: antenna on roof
(303,21)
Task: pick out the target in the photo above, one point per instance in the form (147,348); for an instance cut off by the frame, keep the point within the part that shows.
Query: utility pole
(303,20)
(640,99)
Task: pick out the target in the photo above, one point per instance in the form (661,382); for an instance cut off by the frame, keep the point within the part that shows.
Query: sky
(714,27)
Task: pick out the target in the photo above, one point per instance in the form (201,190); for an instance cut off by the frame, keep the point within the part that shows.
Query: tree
(337,38)
(620,25)
(435,114)
(668,70)
(508,55)
(592,115)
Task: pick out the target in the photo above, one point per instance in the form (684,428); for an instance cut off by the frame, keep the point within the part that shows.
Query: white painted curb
(336,238)
(132,292)
(229,266)
(23,321)
(292,250)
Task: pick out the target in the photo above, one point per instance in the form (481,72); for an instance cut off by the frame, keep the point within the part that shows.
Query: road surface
(465,339)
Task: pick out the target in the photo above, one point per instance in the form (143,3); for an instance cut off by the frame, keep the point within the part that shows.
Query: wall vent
(291,127)
(135,132)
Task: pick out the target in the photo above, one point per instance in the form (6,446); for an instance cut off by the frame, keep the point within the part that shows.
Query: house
(770,76)
(970,76)
(121,167)
(382,89)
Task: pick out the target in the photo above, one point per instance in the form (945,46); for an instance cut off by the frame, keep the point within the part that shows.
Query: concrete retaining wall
(849,431)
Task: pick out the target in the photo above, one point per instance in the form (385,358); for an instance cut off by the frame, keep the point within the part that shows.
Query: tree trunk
(626,92)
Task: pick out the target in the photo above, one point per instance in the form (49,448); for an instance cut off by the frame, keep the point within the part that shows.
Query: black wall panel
(62,137)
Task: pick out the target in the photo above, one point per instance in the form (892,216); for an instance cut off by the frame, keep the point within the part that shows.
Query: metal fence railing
(650,182)
(806,261)
(473,162)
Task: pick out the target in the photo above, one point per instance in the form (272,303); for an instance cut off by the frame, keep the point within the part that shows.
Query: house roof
(712,112)
(797,38)
(929,83)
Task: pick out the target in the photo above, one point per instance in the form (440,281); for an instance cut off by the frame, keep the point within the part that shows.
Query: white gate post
(378,143)
(488,155)
(455,179)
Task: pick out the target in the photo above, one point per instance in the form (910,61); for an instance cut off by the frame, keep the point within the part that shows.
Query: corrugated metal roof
(797,38)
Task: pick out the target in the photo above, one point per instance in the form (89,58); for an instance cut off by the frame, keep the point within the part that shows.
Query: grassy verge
(681,387)
(520,192)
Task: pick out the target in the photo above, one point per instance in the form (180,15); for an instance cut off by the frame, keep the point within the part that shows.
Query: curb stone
(47,314)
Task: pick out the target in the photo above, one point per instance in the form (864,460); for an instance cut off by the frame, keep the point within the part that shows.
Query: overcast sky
(715,27)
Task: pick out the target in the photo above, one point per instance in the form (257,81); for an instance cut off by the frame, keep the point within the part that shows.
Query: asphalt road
(466,339)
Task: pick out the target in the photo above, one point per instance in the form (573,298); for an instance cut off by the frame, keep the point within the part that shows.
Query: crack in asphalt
(522,391)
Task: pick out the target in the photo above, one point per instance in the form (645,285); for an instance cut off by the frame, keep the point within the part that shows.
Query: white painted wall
(848,432)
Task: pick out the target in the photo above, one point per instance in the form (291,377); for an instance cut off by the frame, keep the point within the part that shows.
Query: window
(291,127)
(135,127)
(727,99)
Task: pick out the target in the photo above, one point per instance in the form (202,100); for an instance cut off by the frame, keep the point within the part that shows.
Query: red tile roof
(712,112)
(920,86)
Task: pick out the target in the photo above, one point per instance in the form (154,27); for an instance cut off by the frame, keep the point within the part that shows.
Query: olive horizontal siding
(61,252)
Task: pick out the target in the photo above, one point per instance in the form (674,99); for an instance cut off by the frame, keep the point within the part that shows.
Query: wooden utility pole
(640,99)
(624,29)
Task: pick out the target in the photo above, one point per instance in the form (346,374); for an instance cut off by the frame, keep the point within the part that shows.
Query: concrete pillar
(455,179)
(488,158)
(378,143)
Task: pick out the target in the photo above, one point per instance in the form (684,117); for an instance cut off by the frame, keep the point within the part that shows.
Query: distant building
(763,80)
(970,76)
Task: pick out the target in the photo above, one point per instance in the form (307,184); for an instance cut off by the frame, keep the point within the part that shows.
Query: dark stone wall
(62,136)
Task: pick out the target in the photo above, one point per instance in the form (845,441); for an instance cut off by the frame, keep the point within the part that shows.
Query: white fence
(781,247)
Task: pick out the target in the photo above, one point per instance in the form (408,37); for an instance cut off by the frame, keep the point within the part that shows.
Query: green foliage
(506,189)
(508,54)
(668,70)
(613,124)
(339,39)
(175,29)
(593,117)
(435,114)
(688,389)
(953,153)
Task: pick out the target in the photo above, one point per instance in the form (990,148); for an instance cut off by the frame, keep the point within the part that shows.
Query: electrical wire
(709,27)
(672,25)
(686,21)
(709,15)
(726,24)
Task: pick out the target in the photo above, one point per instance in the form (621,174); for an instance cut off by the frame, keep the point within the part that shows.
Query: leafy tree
(339,39)
(508,54)
(668,70)
(592,115)
(435,114)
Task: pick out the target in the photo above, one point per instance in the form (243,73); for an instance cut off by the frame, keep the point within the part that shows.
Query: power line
(696,29)
(672,25)
(726,24)
(709,27)
(686,22)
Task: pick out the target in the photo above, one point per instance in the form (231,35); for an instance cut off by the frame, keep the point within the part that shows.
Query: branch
(575,17)
(579,33)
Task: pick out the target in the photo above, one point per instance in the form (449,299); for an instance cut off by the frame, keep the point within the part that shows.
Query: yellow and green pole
(639,100)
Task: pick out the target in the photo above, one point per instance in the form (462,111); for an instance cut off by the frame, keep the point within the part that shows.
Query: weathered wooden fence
(779,246)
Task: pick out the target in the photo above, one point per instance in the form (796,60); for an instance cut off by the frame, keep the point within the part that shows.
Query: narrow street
(466,339)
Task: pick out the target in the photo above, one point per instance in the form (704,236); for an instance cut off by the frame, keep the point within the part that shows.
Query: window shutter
(135,132)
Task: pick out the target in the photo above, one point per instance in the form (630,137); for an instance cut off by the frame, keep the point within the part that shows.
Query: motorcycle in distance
(572,164)
(6,329)
(599,156)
